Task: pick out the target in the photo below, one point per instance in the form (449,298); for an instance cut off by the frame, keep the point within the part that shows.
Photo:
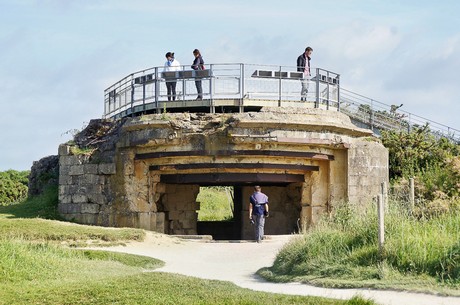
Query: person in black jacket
(303,65)
(198,64)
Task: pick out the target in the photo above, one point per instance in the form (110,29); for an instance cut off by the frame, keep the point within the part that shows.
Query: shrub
(434,162)
(13,186)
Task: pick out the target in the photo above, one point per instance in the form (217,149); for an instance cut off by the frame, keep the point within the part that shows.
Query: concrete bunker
(146,171)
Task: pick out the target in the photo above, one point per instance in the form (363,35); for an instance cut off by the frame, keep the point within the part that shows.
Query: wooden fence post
(384,192)
(381,222)
(411,194)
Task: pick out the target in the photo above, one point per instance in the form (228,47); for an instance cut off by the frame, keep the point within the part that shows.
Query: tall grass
(422,254)
(426,246)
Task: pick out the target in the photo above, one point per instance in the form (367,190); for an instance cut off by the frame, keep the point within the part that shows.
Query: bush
(434,162)
(13,186)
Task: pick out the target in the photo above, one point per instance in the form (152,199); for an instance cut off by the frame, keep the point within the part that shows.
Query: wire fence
(376,115)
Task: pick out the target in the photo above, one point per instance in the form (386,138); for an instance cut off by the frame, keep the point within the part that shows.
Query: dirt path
(238,261)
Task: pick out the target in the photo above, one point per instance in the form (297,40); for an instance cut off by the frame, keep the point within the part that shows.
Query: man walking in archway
(258,210)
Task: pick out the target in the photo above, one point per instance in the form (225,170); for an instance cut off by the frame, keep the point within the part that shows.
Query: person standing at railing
(303,65)
(171,64)
(198,64)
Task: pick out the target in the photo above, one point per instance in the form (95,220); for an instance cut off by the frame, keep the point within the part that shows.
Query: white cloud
(359,41)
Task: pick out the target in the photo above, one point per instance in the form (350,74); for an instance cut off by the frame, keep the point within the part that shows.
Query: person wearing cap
(303,65)
(171,64)
(258,210)
(198,64)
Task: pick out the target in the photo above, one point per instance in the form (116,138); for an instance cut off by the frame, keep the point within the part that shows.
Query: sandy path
(238,261)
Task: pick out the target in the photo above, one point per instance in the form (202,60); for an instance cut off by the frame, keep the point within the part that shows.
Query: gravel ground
(237,262)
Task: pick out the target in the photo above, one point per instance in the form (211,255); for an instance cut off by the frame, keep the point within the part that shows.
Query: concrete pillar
(305,202)
(315,195)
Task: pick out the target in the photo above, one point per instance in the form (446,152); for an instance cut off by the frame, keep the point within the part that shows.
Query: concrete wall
(180,207)
(84,189)
(367,169)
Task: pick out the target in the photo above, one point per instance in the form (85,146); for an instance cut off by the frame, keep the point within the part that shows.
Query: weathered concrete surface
(146,171)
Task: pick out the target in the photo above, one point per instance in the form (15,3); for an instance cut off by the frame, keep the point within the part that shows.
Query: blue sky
(58,56)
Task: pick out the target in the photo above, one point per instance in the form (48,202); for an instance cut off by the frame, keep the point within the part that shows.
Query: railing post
(184,85)
(328,88)
(338,93)
(143,97)
(157,89)
(371,119)
(279,88)
(242,88)
(317,88)
(211,83)
(132,97)
(211,102)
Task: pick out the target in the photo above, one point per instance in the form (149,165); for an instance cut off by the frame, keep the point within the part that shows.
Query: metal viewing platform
(226,88)
(238,87)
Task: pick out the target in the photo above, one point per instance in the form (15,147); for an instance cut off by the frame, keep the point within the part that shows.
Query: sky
(58,56)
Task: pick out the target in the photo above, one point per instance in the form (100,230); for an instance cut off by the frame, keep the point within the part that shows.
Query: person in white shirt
(171,65)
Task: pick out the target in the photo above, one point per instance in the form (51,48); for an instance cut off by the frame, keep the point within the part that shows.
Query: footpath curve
(237,262)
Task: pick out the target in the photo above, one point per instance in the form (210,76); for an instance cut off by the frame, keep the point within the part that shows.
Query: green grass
(419,254)
(43,230)
(47,273)
(21,220)
(215,203)
(37,266)
(153,288)
(23,262)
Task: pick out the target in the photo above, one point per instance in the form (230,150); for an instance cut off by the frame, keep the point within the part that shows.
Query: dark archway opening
(228,228)
(284,189)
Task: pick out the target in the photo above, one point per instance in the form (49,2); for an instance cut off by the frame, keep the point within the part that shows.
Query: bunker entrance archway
(284,192)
